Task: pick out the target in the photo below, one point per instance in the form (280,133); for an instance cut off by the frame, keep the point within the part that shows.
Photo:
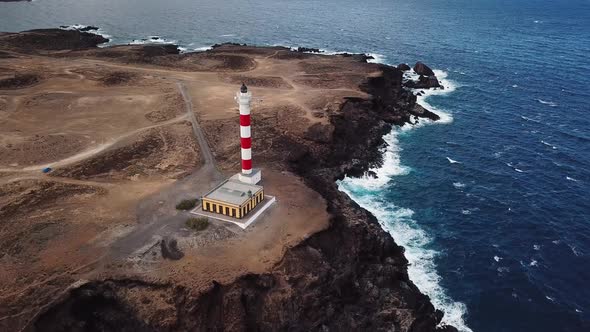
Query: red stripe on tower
(245,120)
(246,142)
(246,164)
(244,98)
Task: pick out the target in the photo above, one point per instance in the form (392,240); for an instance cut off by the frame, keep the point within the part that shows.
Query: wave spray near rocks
(398,221)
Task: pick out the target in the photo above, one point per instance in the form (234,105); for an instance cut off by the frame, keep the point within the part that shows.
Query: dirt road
(157,215)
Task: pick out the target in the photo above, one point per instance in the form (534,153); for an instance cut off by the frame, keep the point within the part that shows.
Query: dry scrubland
(113,125)
(130,131)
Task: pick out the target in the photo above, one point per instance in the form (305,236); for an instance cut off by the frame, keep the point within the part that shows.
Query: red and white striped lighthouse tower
(248,175)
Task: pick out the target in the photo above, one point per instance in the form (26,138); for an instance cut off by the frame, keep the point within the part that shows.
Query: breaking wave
(548,103)
(368,191)
(449,86)
(152,40)
(89,29)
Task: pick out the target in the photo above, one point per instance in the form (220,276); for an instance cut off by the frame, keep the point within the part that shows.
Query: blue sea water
(492,202)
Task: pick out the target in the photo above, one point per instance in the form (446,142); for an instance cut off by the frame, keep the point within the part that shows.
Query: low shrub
(187,204)
(117,77)
(19,81)
(197,224)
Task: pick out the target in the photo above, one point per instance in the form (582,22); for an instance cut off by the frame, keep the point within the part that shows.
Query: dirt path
(94,151)
(208,159)
(157,215)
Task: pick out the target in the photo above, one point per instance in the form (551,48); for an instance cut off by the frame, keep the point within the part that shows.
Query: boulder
(424,82)
(308,49)
(88,28)
(421,112)
(170,250)
(403,67)
(422,69)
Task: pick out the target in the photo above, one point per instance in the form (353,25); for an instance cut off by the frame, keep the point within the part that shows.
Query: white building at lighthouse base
(253,178)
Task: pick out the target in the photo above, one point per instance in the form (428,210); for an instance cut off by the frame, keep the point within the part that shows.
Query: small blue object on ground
(47,170)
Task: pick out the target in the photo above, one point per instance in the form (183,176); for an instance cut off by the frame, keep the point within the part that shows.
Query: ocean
(492,203)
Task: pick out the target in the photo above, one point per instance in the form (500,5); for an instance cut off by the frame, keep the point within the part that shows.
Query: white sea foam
(466,211)
(399,223)
(391,165)
(575,250)
(514,168)
(515,85)
(377,58)
(202,48)
(549,298)
(98,31)
(545,102)
(228,35)
(533,263)
(571,179)
(406,232)
(153,40)
(458,185)
(449,86)
(497,258)
(550,145)
(452,161)
(502,270)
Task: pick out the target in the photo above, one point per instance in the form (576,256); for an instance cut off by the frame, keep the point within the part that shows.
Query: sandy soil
(116,131)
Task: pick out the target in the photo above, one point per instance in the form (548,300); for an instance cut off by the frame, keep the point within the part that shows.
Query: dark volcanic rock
(308,49)
(423,113)
(88,28)
(170,250)
(424,82)
(403,67)
(422,69)
(97,305)
(160,50)
(51,40)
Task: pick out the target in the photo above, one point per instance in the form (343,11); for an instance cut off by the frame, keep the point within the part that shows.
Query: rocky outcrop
(422,69)
(169,248)
(421,112)
(308,49)
(35,41)
(403,67)
(424,82)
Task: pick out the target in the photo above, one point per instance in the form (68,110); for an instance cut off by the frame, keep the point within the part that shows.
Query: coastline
(397,220)
(368,287)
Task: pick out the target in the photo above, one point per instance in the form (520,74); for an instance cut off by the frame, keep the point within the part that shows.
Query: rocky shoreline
(351,276)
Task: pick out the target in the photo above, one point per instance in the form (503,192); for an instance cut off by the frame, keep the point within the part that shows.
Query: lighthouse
(248,174)
(241,194)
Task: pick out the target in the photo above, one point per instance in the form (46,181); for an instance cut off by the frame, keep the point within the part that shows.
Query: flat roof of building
(233,192)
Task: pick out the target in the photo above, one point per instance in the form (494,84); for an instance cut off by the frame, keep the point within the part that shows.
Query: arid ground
(119,128)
